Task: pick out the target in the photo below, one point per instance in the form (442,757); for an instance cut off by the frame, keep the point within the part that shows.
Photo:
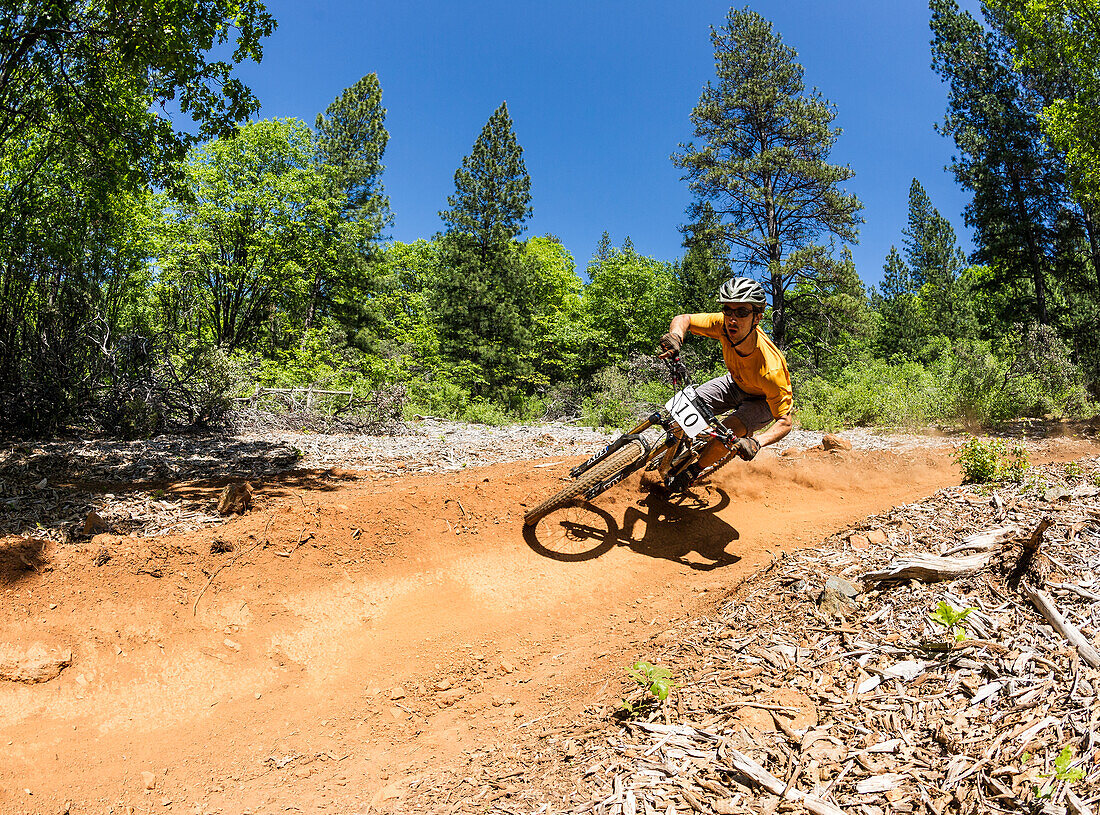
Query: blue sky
(600,94)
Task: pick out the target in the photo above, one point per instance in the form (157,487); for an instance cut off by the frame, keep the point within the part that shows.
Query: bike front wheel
(626,456)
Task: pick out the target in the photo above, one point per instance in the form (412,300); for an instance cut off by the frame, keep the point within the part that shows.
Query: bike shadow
(684,528)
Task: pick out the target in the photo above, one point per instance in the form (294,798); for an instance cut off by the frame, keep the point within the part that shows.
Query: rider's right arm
(680,325)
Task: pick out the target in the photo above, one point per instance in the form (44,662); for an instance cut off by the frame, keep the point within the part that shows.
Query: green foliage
(88,75)
(936,263)
(654,683)
(1043,378)
(1063,38)
(762,158)
(990,461)
(324,359)
(1036,231)
(445,398)
(482,295)
(655,679)
(1073,470)
(832,323)
(630,302)
(1064,771)
(952,619)
(81,144)
(612,404)
(620,394)
(237,249)
(872,393)
(351,138)
(492,198)
(706,264)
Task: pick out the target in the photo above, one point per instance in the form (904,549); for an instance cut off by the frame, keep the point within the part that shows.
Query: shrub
(614,401)
(984,462)
(152,385)
(1042,378)
(969,383)
(870,393)
(612,404)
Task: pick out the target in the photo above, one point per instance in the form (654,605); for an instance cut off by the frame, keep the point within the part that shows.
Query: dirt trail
(363,632)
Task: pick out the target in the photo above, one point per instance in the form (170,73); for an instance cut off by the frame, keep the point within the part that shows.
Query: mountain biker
(758,386)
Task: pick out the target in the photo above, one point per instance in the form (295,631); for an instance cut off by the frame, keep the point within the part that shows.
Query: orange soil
(369,629)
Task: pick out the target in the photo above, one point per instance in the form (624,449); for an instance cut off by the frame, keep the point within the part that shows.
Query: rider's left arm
(780,428)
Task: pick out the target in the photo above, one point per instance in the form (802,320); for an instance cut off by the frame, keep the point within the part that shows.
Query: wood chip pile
(823,683)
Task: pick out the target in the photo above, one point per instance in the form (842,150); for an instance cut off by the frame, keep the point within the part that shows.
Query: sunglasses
(741,312)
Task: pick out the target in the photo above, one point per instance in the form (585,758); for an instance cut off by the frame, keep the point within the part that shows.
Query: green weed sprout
(1062,772)
(655,681)
(952,618)
(1074,469)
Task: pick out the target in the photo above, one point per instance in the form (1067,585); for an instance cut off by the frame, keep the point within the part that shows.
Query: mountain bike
(668,441)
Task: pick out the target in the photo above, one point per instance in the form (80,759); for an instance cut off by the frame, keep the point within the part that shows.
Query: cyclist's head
(743,290)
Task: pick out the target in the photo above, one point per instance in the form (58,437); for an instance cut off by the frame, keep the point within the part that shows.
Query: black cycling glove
(746,448)
(671,342)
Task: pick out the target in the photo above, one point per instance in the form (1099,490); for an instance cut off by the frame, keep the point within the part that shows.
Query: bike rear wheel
(628,455)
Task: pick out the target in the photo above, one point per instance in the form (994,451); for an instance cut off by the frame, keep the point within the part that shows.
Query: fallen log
(928,568)
(985,541)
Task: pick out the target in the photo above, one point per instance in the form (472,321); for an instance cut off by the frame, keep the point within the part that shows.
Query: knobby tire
(617,462)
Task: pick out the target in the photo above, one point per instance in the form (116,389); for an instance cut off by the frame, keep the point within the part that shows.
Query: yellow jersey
(762,372)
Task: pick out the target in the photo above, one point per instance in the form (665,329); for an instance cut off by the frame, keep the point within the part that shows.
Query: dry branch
(928,568)
(749,768)
(1060,624)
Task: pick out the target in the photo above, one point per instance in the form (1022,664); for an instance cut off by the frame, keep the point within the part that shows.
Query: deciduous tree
(1062,37)
(239,244)
(89,94)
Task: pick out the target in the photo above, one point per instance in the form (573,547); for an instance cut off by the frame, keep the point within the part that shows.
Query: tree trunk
(311,306)
(1094,241)
(779,311)
(1033,249)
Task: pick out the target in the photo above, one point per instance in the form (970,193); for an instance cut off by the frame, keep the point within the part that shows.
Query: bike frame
(681,449)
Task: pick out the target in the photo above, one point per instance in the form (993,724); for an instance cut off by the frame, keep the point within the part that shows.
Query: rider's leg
(715,451)
(751,414)
(720,395)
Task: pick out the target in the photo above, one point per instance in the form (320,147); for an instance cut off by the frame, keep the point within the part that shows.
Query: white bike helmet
(742,290)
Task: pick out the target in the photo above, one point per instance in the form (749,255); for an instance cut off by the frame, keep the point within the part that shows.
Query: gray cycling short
(722,394)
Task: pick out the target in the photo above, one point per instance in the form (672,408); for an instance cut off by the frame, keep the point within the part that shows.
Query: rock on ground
(35,664)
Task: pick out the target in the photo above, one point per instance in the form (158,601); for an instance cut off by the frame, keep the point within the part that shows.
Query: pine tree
(1016,180)
(935,266)
(706,263)
(492,198)
(831,319)
(351,137)
(901,330)
(762,161)
(483,294)
(604,249)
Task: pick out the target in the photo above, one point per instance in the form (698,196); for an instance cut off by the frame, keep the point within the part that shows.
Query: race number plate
(684,412)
